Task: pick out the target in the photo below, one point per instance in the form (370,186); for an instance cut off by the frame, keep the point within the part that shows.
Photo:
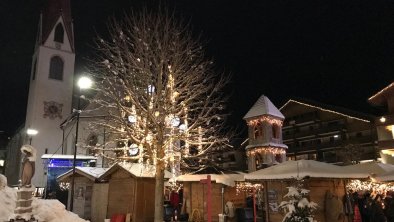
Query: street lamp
(83,83)
(31,133)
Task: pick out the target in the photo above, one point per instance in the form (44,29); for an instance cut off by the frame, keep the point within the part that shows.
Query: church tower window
(56,68)
(59,33)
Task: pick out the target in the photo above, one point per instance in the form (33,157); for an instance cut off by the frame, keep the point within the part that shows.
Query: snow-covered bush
(298,208)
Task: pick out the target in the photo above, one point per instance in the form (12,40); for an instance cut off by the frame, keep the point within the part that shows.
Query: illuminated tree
(163,100)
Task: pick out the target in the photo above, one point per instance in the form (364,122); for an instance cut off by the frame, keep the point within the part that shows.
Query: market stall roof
(226,179)
(372,168)
(91,173)
(136,169)
(213,170)
(385,177)
(304,168)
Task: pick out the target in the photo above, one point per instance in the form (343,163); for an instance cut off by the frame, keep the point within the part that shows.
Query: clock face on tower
(133,150)
(52,110)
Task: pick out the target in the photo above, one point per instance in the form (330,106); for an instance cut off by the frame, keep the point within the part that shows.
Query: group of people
(368,207)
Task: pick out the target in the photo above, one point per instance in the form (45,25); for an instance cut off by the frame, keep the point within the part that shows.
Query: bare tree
(162,97)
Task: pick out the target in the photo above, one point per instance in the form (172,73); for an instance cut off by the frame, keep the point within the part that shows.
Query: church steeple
(265,135)
(56,15)
(51,82)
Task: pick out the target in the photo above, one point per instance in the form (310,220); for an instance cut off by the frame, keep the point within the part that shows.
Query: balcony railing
(315,131)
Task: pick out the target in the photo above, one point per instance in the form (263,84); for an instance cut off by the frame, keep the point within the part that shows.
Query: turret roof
(263,106)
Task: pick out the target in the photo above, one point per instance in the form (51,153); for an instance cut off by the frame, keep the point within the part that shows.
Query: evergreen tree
(298,208)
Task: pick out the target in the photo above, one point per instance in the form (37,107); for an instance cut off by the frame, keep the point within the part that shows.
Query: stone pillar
(24,210)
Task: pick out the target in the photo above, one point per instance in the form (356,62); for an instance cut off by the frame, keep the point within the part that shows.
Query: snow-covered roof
(92,173)
(371,168)
(263,106)
(69,157)
(303,168)
(226,179)
(385,177)
(136,169)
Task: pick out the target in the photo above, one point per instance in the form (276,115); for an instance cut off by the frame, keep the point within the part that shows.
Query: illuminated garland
(264,150)
(325,110)
(247,187)
(267,119)
(381,91)
(379,188)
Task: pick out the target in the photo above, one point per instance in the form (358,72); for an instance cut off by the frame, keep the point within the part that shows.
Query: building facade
(385,123)
(315,131)
(50,89)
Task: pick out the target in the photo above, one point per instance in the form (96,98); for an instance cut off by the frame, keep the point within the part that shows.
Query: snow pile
(53,211)
(43,210)
(7,203)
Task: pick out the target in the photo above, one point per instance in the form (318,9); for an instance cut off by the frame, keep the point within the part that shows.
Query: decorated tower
(265,146)
(51,81)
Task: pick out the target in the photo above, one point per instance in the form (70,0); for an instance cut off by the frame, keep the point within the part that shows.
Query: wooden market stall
(326,182)
(131,190)
(223,192)
(90,198)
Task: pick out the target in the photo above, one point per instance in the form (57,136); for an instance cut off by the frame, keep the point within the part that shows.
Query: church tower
(51,81)
(265,146)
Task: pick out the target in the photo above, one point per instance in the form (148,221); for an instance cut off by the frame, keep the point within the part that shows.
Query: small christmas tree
(298,208)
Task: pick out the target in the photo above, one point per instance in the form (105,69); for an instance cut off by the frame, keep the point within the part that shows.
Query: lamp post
(83,83)
(31,133)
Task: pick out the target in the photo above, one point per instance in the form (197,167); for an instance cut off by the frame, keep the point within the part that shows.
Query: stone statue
(28,165)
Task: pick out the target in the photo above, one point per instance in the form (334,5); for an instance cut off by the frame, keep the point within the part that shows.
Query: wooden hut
(223,191)
(131,190)
(320,178)
(90,195)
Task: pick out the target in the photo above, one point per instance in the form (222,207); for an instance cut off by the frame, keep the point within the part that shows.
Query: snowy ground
(43,210)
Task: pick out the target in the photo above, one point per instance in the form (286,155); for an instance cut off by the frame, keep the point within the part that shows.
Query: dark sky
(334,51)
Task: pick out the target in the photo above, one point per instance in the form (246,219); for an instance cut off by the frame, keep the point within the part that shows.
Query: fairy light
(381,91)
(264,150)
(268,119)
(376,187)
(325,110)
(247,187)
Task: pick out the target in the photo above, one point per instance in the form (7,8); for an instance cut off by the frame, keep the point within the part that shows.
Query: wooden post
(254,205)
(209,201)
(267,210)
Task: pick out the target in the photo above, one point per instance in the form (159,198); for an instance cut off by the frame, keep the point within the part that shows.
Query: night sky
(335,52)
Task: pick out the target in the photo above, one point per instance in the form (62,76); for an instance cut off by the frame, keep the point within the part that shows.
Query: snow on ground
(43,210)
(53,211)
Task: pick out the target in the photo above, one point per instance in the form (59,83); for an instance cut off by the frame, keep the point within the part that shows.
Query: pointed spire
(263,106)
(52,11)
